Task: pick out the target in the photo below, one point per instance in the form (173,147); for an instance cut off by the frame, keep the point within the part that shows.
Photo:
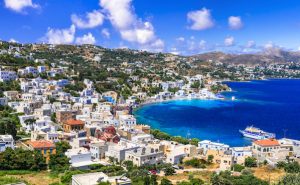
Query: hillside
(266,57)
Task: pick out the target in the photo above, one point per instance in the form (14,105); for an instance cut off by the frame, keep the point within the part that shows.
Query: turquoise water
(272,105)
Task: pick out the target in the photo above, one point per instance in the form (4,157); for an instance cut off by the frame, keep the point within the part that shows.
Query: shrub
(237,168)
(196,163)
(250,162)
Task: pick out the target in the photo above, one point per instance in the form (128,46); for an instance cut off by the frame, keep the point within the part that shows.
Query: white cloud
(181,39)
(235,22)
(229,41)
(250,44)
(200,19)
(269,45)
(202,44)
(19,5)
(91,20)
(141,34)
(132,29)
(299,48)
(271,49)
(60,36)
(12,40)
(86,39)
(156,46)
(105,33)
(120,12)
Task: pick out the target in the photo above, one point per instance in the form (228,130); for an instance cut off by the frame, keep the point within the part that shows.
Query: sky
(182,27)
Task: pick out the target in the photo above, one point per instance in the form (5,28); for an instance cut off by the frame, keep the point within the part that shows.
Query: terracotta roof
(267,142)
(74,122)
(41,144)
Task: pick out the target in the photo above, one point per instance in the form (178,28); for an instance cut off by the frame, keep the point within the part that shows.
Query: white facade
(142,156)
(127,120)
(117,151)
(209,145)
(7,76)
(3,101)
(6,141)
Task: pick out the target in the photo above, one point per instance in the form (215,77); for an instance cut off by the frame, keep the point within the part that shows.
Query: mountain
(266,57)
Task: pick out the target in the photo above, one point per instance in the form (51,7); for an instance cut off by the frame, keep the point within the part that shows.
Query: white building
(6,141)
(7,75)
(80,158)
(209,145)
(127,120)
(3,101)
(41,69)
(117,151)
(98,149)
(145,155)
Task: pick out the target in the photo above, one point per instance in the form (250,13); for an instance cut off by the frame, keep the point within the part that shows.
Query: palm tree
(30,122)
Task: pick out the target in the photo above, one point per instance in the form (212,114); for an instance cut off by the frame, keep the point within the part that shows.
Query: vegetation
(169,171)
(290,179)
(8,126)
(9,86)
(225,178)
(164,136)
(289,167)
(196,163)
(20,159)
(8,180)
(250,162)
(165,181)
(237,167)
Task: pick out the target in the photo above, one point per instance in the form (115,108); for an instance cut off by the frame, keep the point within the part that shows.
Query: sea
(271,105)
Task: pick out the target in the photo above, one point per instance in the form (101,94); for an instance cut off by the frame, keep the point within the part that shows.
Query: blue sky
(177,26)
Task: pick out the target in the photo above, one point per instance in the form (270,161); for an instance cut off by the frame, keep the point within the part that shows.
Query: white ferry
(256,133)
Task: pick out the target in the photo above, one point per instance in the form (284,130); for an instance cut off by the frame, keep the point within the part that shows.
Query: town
(72,116)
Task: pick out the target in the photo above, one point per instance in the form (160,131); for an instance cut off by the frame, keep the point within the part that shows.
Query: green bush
(196,163)
(237,168)
(250,162)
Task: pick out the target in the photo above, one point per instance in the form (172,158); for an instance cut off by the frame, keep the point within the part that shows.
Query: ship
(256,133)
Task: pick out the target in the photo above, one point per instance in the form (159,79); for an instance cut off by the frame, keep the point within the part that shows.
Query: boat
(233,98)
(256,133)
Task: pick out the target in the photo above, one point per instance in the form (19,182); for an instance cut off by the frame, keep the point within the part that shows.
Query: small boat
(256,133)
(233,98)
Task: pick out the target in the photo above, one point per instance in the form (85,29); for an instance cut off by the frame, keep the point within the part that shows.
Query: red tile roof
(41,144)
(74,122)
(267,142)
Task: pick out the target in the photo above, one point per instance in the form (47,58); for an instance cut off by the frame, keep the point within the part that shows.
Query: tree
(210,158)
(196,84)
(196,163)
(20,159)
(165,181)
(169,171)
(292,167)
(8,126)
(237,168)
(153,180)
(225,178)
(250,162)
(290,179)
(59,162)
(30,122)
(62,147)
(194,141)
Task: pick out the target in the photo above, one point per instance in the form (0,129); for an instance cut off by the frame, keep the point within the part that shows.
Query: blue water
(272,105)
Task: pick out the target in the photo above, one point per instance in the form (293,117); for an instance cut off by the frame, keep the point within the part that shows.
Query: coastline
(257,122)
